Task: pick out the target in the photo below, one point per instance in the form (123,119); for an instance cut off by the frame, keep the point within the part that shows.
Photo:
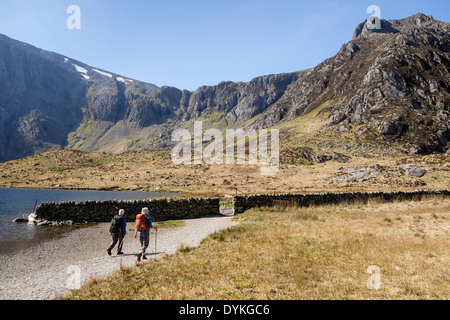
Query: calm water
(15,202)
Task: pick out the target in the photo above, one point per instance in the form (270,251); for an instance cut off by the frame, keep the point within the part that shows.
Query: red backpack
(142,223)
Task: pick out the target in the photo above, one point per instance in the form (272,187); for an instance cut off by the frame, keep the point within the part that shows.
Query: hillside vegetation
(154,171)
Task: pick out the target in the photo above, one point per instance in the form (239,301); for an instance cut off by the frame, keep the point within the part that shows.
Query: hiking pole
(35,204)
(156,241)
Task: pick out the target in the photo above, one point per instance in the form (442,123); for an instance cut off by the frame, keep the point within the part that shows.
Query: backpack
(142,223)
(116,224)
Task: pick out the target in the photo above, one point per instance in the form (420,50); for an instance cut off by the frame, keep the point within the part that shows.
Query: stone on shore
(20,220)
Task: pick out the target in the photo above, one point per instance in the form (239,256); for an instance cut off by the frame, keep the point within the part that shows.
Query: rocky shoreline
(31,218)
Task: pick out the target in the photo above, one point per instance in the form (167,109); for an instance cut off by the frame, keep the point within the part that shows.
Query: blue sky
(191,43)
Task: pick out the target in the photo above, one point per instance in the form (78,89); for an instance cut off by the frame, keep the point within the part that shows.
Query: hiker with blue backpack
(118,231)
(143,227)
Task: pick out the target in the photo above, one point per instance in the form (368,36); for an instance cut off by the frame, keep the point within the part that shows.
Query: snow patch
(82,71)
(126,81)
(103,73)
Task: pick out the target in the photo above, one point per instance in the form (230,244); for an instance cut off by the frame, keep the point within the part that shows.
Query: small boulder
(20,220)
(357,175)
(339,157)
(44,223)
(412,171)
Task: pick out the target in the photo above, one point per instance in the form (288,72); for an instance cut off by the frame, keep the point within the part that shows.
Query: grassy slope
(154,170)
(314,253)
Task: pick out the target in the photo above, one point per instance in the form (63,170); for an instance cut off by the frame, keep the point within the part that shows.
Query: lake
(15,202)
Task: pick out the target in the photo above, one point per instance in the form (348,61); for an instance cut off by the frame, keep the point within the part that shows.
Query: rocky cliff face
(49,101)
(45,96)
(389,85)
(37,111)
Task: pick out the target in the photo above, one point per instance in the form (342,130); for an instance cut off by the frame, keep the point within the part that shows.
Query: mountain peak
(379,86)
(363,30)
(418,20)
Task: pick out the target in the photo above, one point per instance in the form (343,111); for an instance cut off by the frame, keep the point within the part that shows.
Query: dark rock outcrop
(50,102)
(393,82)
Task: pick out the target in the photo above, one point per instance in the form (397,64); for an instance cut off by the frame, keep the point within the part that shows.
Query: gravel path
(44,272)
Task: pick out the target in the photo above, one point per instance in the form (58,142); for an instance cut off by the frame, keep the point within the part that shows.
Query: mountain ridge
(51,102)
(108,112)
(377,83)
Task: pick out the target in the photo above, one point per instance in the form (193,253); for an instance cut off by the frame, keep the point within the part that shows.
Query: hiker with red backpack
(118,230)
(143,226)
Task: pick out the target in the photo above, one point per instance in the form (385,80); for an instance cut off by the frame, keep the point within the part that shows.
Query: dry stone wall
(179,209)
(104,211)
(244,203)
